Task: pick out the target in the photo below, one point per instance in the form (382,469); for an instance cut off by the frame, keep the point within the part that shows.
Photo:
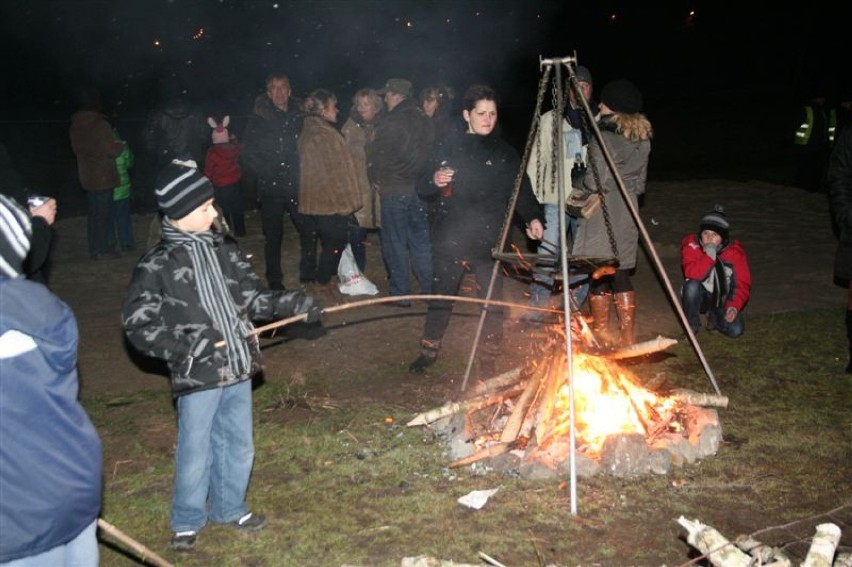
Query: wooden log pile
(746,551)
(520,420)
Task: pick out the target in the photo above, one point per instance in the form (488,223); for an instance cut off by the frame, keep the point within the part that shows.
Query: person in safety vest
(813,138)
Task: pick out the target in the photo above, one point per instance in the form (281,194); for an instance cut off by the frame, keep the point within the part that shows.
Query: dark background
(721,80)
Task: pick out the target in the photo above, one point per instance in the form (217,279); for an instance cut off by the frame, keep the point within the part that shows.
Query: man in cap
(396,158)
(718,280)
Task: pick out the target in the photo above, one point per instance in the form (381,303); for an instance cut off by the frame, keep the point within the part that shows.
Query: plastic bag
(350,279)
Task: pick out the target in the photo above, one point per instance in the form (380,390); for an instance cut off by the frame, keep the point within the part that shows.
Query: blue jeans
(214,456)
(121,222)
(406,241)
(82,551)
(695,300)
(541,287)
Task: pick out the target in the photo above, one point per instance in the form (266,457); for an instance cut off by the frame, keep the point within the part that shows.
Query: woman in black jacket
(473,174)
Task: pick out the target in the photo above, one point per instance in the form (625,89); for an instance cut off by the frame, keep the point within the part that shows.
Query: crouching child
(190,293)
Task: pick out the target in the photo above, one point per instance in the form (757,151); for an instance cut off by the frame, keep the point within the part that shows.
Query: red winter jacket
(221,165)
(697,265)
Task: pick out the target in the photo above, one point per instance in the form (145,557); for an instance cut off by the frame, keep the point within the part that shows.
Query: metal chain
(597,187)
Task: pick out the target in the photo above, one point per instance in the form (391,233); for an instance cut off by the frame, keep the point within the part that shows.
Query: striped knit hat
(717,221)
(181,189)
(16,230)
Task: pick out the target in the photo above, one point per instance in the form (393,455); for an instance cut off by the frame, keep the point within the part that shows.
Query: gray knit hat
(717,221)
(16,232)
(181,189)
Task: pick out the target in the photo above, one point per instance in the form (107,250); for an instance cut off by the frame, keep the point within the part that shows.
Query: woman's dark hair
(317,101)
(476,93)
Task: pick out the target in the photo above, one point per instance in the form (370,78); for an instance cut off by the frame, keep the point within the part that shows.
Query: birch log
(640,349)
(823,545)
(486,453)
(451,408)
(715,546)
(698,399)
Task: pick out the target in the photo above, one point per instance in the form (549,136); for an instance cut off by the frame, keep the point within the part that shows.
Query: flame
(606,401)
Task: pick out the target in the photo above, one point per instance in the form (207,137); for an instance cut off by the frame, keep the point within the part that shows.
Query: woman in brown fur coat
(328,188)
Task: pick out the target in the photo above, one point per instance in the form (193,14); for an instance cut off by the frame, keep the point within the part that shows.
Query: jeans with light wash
(695,300)
(406,243)
(82,551)
(541,287)
(214,457)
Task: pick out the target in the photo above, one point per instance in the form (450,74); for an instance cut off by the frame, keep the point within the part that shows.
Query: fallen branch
(640,349)
(698,399)
(142,552)
(487,453)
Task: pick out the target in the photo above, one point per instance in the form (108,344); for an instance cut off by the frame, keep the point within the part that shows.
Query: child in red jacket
(718,280)
(222,168)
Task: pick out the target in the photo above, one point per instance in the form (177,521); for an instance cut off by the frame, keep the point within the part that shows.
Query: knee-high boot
(625,307)
(849,338)
(600,306)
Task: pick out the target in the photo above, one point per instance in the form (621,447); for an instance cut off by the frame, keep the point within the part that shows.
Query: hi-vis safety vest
(803,134)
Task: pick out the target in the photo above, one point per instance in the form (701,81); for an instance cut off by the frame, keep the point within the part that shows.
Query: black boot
(427,358)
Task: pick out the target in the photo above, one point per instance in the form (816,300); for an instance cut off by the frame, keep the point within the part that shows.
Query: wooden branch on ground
(692,398)
(640,349)
(715,547)
(486,453)
(498,382)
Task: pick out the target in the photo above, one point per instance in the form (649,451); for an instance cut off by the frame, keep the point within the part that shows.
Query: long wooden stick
(393,299)
(145,554)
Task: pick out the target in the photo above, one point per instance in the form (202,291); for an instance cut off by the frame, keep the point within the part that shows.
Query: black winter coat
(175,130)
(467,223)
(400,149)
(270,147)
(840,195)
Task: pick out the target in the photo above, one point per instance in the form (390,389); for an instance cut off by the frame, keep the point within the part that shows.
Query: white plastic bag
(350,279)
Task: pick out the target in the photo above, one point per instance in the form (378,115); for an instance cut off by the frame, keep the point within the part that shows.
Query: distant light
(199,34)
(409,25)
(275,6)
(613,17)
(157,43)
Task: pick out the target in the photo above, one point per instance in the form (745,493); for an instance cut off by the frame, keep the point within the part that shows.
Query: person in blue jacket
(50,453)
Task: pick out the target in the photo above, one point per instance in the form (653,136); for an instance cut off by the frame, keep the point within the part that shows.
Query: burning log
(513,425)
(500,381)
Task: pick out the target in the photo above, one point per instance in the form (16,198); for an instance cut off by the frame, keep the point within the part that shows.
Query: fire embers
(521,422)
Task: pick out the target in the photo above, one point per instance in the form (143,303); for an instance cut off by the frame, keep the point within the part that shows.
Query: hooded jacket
(50,453)
(96,149)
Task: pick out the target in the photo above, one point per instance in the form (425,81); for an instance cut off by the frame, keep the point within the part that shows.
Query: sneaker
(250,522)
(183,541)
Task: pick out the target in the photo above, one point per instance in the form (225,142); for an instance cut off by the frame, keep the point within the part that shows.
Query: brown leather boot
(625,307)
(600,306)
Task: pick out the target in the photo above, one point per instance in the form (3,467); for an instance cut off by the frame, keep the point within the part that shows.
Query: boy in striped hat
(192,292)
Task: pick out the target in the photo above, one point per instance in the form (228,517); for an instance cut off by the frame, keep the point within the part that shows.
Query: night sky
(223,49)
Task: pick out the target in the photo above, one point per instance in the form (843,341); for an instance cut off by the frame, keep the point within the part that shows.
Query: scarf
(213,293)
(716,283)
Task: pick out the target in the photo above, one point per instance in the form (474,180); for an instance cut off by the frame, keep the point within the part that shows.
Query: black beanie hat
(622,96)
(717,221)
(181,189)
(16,232)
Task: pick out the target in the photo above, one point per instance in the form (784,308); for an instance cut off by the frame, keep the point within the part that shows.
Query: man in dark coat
(840,196)
(395,159)
(271,153)
(177,128)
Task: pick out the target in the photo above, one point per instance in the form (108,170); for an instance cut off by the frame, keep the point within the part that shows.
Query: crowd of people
(435,180)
